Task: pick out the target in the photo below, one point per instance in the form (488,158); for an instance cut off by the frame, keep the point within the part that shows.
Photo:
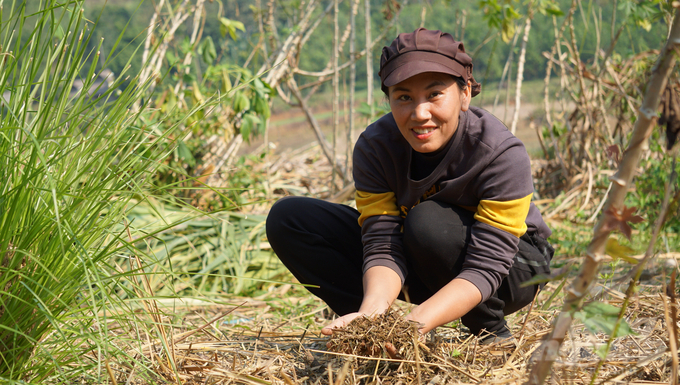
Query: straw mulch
(276,339)
(255,344)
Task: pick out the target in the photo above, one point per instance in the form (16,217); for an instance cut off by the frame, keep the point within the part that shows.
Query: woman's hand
(448,304)
(341,322)
(381,288)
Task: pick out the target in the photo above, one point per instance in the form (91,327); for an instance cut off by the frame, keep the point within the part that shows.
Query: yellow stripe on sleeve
(509,216)
(370,205)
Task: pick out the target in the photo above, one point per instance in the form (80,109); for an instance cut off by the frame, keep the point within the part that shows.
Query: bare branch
(295,91)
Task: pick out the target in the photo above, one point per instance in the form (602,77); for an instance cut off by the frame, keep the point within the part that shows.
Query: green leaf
(226,82)
(172,59)
(542,278)
(259,87)
(230,26)
(252,123)
(188,77)
(185,154)
(618,251)
(261,107)
(600,317)
(507,31)
(208,50)
(601,351)
(240,102)
(554,10)
(644,24)
(246,127)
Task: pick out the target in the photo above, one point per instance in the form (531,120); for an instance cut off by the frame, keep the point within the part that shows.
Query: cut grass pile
(275,339)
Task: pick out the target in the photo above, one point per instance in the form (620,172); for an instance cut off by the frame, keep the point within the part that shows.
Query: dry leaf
(614,153)
(616,219)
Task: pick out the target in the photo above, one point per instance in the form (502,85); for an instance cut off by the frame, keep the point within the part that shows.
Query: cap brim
(413,68)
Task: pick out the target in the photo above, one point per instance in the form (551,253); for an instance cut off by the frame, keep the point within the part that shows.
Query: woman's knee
(430,223)
(282,215)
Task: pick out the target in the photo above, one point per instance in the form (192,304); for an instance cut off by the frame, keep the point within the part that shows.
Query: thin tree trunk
(505,71)
(325,147)
(145,73)
(369,58)
(546,354)
(520,70)
(336,90)
(352,85)
(195,36)
(546,99)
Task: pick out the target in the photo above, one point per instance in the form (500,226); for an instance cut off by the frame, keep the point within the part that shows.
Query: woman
(444,217)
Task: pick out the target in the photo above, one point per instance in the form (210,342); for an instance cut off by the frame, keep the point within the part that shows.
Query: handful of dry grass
(387,333)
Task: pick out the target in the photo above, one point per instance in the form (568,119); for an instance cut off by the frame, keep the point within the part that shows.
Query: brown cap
(425,51)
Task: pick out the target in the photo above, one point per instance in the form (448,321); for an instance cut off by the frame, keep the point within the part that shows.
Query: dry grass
(258,343)
(275,338)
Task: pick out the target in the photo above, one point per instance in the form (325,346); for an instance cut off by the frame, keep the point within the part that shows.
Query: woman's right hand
(381,287)
(341,322)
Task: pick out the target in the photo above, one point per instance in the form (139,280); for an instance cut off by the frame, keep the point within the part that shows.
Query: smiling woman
(444,216)
(426,109)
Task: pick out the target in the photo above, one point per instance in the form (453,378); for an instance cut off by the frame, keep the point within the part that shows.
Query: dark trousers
(320,243)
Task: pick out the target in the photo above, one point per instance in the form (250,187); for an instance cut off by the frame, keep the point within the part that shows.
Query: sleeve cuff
(387,263)
(479,280)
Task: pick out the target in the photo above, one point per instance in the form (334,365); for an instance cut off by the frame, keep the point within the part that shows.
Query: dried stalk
(545,356)
(153,65)
(369,58)
(673,330)
(336,92)
(506,68)
(151,306)
(520,68)
(352,83)
(144,74)
(278,64)
(195,36)
(273,32)
(325,147)
(546,95)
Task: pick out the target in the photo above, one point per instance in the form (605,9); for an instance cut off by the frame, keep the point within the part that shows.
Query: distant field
(288,127)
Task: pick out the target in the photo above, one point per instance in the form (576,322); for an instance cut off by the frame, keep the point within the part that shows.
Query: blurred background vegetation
(440,14)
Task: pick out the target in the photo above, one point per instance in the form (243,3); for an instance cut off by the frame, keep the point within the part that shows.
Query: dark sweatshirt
(485,169)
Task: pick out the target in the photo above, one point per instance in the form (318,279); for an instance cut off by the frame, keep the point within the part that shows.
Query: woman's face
(426,108)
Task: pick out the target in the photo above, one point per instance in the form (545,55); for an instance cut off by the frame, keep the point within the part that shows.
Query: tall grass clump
(70,165)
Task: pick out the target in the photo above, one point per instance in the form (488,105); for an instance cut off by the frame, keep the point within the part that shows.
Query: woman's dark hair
(462,84)
(459,80)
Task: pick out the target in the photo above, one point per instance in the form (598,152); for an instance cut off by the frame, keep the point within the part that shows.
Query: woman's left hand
(450,303)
